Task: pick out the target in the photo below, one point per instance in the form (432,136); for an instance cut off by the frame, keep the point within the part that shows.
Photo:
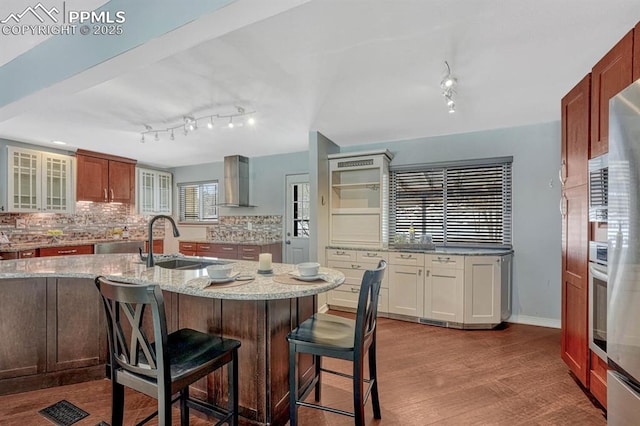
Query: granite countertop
(244,243)
(462,251)
(129,268)
(11,247)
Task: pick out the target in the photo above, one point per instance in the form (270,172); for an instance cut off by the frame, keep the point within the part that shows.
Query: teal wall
(267,181)
(536,196)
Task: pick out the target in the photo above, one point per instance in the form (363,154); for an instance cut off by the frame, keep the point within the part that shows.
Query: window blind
(467,204)
(197,201)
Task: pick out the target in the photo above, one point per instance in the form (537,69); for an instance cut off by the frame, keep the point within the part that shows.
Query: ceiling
(358,71)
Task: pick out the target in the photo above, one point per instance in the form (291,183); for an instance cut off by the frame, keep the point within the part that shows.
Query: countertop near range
(129,268)
(461,251)
(244,243)
(14,247)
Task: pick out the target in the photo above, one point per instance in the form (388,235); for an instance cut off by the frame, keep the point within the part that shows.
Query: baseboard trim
(539,321)
(323,309)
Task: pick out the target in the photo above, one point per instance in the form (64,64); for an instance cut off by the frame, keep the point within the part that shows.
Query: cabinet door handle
(340,253)
(355,266)
(105,195)
(561,173)
(227,248)
(563,207)
(426,273)
(443,259)
(112,196)
(67,251)
(406,256)
(371,255)
(355,290)
(205,247)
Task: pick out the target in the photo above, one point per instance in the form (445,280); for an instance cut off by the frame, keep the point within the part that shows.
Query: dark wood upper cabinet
(636,52)
(105,178)
(575,134)
(609,76)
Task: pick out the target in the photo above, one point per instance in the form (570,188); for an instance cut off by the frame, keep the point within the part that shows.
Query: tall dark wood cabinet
(575,229)
(636,52)
(609,76)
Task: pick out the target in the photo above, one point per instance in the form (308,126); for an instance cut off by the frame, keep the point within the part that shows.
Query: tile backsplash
(236,229)
(106,221)
(91,221)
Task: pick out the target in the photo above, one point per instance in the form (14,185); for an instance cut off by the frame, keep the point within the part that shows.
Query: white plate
(297,276)
(224,280)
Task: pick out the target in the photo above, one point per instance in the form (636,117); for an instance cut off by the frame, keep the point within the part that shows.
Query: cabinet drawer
(345,255)
(251,252)
(187,248)
(371,256)
(225,251)
(66,250)
(347,296)
(353,271)
(409,259)
(445,261)
(249,255)
(205,249)
(26,254)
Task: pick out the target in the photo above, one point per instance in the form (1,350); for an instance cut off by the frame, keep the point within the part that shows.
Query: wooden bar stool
(169,364)
(337,337)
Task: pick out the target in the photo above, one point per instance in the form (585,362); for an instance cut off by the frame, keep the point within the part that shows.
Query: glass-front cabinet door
(154,191)
(57,189)
(23,180)
(39,181)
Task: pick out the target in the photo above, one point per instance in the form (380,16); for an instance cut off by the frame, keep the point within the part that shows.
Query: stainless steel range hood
(236,182)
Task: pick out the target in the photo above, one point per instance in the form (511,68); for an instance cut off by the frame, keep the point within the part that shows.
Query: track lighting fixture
(448,84)
(190,123)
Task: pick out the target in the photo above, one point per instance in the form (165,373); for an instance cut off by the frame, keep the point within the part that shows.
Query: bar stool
(325,335)
(169,364)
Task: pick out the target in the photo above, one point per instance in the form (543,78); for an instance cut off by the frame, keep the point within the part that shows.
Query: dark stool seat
(325,335)
(170,363)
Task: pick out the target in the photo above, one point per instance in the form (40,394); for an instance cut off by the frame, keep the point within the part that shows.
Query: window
(198,201)
(463,204)
(301,209)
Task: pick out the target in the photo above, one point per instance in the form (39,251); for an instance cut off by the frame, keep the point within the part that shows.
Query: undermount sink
(188,263)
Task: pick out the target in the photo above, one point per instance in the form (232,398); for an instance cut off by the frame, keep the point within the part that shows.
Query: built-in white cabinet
(39,181)
(153,191)
(444,286)
(358,202)
(353,263)
(487,289)
(406,283)
(465,291)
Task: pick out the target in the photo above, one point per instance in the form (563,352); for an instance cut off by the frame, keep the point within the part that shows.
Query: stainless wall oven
(598,298)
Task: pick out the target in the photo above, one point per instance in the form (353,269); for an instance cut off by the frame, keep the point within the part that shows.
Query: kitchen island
(52,315)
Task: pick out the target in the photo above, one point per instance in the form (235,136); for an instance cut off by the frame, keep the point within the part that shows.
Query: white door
(296,240)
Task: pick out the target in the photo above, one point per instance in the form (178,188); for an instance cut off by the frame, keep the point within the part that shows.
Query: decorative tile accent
(235,229)
(91,221)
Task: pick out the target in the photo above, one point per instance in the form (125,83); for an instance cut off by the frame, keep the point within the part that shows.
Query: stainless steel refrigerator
(623,287)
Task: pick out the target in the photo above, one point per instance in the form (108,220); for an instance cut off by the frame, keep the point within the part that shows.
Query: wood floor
(427,375)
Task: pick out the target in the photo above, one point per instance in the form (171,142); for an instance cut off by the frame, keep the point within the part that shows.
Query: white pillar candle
(264,261)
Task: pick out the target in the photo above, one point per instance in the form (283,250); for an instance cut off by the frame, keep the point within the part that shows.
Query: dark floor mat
(63,413)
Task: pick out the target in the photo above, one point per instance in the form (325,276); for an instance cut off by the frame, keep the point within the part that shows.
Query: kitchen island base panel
(261,326)
(53,379)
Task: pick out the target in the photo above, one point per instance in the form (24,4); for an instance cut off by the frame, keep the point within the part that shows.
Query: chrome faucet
(176,234)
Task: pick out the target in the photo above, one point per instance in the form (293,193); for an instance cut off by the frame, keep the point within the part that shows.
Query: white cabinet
(406,284)
(444,288)
(154,191)
(352,264)
(487,289)
(359,199)
(39,181)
